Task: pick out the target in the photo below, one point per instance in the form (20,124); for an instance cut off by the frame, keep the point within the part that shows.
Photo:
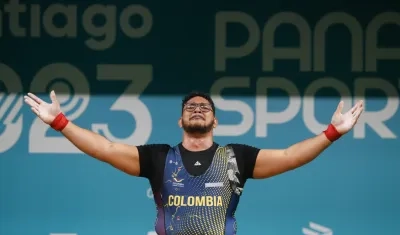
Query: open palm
(345,122)
(45,111)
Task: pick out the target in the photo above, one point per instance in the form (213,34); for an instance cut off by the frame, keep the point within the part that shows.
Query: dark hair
(200,94)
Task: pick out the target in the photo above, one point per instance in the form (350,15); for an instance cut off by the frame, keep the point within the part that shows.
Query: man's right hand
(45,111)
(122,156)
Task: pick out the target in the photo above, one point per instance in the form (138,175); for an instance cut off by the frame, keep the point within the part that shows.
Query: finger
(358,105)
(53,96)
(357,114)
(340,107)
(35,111)
(35,98)
(357,109)
(31,102)
(354,108)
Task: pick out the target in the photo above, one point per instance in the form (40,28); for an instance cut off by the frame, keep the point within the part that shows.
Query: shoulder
(152,149)
(246,156)
(151,158)
(155,146)
(243,148)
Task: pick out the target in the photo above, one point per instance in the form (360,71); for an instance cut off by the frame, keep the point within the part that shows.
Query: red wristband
(331,133)
(60,122)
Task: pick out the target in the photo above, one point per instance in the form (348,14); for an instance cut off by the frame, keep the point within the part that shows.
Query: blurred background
(276,69)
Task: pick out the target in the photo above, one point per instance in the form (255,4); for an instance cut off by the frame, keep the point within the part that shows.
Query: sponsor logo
(214,185)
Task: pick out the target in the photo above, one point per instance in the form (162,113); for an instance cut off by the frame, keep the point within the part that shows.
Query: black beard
(197,128)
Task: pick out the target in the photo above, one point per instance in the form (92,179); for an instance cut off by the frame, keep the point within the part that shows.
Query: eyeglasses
(190,107)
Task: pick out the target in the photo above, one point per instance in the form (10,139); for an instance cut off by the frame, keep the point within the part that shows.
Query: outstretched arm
(121,156)
(272,162)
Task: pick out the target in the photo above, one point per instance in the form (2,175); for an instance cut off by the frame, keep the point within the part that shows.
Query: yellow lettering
(200,201)
(170,200)
(183,201)
(209,201)
(176,200)
(219,201)
(190,201)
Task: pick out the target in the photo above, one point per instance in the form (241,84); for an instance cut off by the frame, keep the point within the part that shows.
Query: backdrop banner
(276,70)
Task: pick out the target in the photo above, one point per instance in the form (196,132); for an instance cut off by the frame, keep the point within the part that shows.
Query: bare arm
(272,162)
(121,156)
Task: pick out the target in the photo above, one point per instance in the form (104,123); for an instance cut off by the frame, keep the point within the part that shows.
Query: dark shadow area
(233,48)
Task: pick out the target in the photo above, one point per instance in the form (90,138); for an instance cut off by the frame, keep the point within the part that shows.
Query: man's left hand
(344,122)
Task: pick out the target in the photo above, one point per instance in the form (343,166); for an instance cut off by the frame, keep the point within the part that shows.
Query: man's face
(197,116)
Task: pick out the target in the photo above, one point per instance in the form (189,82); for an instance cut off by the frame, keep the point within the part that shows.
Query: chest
(219,176)
(200,204)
